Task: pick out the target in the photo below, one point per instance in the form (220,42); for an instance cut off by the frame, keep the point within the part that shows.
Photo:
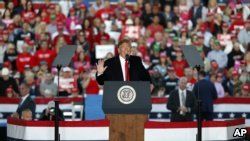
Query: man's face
(23,90)
(183,84)
(124,49)
(197,2)
(27,116)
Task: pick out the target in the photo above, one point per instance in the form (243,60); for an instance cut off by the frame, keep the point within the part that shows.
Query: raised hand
(100,67)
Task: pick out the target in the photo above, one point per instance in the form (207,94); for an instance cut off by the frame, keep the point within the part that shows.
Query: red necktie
(127,72)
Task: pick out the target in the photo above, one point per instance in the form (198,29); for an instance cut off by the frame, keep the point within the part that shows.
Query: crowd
(32,36)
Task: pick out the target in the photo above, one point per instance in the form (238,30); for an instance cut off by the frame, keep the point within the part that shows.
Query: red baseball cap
(235,73)
(81,69)
(163,54)
(246,87)
(74,90)
(83,6)
(225,25)
(71,10)
(5,32)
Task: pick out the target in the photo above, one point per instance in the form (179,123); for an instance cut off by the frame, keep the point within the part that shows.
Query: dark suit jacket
(114,70)
(27,104)
(207,92)
(174,104)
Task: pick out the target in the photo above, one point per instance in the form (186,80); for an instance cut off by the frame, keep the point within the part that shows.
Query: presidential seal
(126,94)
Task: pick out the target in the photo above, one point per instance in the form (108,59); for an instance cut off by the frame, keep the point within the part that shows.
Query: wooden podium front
(126,127)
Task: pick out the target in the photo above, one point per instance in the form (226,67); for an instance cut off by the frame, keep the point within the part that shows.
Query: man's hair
(28,111)
(202,73)
(125,40)
(24,83)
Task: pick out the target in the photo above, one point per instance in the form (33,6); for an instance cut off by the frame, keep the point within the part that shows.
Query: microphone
(127,59)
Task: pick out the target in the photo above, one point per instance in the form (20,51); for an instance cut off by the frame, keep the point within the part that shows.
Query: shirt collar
(121,58)
(25,97)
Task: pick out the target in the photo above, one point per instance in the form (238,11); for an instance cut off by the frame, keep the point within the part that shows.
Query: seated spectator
(182,103)
(49,113)
(26,115)
(48,88)
(26,101)
(6,81)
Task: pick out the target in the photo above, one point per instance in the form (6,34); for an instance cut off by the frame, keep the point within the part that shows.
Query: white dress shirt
(180,96)
(123,61)
(23,99)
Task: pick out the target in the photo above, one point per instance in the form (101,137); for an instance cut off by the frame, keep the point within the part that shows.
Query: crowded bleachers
(32,33)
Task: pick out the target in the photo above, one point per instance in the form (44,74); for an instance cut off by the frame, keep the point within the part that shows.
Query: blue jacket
(207,94)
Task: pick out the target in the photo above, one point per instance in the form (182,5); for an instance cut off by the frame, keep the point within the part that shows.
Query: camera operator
(49,113)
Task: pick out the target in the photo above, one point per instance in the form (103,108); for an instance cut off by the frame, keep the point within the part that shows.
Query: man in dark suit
(123,67)
(182,103)
(208,93)
(26,101)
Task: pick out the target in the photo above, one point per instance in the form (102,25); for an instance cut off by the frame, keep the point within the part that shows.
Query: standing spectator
(11,55)
(170,81)
(217,80)
(24,59)
(237,84)
(179,64)
(7,82)
(71,22)
(244,36)
(197,11)
(44,54)
(182,103)
(245,91)
(26,101)
(48,88)
(162,66)
(189,74)
(155,26)
(67,82)
(207,94)
(98,5)
(90,84)
(218,55)
(235,55)
(147,15)
(2,51)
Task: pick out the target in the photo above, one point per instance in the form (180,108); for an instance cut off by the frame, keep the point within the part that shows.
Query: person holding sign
(123,67)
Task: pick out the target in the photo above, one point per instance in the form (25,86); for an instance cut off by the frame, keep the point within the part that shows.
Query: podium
(126,105)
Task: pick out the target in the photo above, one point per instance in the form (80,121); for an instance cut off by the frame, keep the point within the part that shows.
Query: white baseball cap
(5,71)
(67,69)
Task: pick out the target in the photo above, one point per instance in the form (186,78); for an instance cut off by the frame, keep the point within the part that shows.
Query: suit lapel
(119,69)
